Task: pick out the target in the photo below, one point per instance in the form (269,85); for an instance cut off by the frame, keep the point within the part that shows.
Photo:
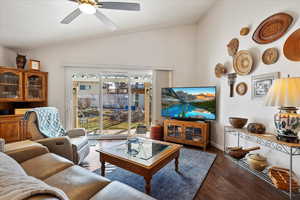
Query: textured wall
(7,57)
(215,30)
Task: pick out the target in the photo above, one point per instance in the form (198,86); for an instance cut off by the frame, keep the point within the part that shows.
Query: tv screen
(193,103)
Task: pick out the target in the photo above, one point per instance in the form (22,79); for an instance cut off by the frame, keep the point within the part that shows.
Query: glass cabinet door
(194,134)
(10,85)
(35,87)
(174,131)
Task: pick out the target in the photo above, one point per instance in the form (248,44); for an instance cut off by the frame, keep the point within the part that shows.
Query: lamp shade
(284,92)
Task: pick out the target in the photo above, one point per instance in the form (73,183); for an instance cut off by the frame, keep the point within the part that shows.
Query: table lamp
(285,94)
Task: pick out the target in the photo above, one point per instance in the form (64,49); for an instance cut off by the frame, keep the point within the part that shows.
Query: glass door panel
(140,101)
(86,102)
(10,86)
(192,133)
(115,104)
(174,131)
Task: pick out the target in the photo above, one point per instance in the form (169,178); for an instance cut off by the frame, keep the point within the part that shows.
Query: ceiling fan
(91,7)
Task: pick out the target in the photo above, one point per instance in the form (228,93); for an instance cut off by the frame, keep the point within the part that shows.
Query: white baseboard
(218,146)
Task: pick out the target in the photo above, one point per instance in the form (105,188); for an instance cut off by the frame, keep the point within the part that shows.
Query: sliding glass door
(111,104)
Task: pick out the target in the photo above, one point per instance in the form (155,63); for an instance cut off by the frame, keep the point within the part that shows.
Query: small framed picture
(34,65)
(262,83)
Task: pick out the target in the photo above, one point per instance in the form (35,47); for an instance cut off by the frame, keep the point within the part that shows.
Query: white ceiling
(33,23)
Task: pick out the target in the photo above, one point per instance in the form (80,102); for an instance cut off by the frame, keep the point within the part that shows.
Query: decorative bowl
(237,122)
(257,162)
(256,128)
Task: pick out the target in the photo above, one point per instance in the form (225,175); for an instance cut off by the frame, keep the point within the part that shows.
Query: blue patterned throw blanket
(48,121)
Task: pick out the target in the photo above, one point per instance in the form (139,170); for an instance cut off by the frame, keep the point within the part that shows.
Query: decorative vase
(21,61)
(157,132)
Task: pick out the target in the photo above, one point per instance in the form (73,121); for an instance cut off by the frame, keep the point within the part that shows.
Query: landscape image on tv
(189,103)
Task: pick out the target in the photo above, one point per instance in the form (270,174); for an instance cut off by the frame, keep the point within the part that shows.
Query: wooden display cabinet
(19,89)
(11,85)
(186,132)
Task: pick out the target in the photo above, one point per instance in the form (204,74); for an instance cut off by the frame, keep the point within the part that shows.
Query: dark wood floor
(228,181)
(224,181)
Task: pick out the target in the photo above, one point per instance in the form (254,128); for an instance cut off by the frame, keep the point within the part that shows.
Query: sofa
(74,146)
(58,172)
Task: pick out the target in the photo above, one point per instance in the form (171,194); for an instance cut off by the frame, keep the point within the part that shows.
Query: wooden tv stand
(187,132)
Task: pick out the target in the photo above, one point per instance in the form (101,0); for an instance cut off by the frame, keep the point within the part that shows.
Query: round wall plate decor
(270,56)
(243,62)
(233,46)
(220,70)
(291,47)
(272,28)
(241,89)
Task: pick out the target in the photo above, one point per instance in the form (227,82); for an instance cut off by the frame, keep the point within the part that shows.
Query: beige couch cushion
(117,190)
(24,150)
(78,183)
(19,145)
(46,165)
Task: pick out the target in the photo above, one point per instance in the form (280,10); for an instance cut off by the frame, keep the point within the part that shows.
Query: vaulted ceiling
(33,23)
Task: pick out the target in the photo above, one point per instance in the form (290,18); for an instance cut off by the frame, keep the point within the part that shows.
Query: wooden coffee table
(146,158)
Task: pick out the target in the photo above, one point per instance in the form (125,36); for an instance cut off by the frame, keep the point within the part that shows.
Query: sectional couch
(76,182)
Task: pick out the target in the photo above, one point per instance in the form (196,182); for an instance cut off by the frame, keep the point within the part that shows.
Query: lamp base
(287,123)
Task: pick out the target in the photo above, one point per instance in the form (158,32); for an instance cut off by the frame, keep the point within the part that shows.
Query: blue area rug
(167,184)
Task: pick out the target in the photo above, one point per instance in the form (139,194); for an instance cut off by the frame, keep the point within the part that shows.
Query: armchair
(74,146)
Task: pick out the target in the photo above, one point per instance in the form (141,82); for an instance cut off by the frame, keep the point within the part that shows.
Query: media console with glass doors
(187,132)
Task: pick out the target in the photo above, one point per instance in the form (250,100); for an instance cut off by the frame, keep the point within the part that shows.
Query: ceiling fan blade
(105,20)
(120,6)
(74,1)
(73,15)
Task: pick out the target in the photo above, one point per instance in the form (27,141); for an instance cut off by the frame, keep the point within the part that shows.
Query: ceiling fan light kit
(87,8)
(92,7)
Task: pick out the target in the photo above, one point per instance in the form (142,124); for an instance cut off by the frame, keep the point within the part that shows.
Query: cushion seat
(46,165)
(25,150)
(20,145)
(78,183)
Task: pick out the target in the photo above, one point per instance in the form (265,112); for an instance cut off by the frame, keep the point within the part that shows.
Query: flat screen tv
(189,103)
